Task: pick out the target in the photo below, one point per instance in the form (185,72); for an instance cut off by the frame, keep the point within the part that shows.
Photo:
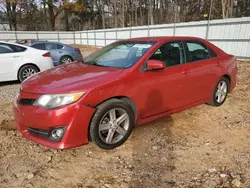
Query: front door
(165,90)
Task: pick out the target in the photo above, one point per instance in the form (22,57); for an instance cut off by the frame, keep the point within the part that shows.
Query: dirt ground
(203,147)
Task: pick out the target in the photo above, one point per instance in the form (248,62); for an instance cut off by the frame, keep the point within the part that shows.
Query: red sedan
(126,83)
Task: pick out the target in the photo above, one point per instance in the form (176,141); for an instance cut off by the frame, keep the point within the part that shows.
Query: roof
(159,38)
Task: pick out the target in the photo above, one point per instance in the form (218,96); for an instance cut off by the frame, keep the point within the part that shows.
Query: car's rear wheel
(220,92)
(111,124)
(26,71)
(66,59)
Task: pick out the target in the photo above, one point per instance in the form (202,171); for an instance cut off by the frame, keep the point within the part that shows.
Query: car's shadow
(9,83)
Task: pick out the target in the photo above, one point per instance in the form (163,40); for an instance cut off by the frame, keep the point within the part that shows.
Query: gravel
(202,147)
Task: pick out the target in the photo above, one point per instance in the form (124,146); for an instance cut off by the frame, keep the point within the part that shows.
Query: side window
(50,46)
(59,46)
(197,51)
(40,46)
(171,53)
(5,49)
(16,48)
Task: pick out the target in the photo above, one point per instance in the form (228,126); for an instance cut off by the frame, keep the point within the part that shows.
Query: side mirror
(155,65)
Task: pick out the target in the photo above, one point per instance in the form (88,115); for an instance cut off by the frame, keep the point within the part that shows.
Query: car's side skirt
(165,114)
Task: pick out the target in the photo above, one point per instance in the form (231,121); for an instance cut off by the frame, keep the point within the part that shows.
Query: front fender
(128,89)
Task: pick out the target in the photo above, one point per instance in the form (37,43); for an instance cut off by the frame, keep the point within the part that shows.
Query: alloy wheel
(28,72)
(66,60)
(221,92)
(114,126)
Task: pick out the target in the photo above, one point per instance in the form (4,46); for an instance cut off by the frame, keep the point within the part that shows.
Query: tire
(219,96)
(65,59)
(26,71)
(112,134)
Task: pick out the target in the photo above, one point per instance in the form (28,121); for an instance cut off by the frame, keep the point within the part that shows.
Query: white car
(18,62)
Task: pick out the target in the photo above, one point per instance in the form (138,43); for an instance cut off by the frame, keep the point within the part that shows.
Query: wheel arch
(229,79)
(65,55)
(32,64)
(125,99)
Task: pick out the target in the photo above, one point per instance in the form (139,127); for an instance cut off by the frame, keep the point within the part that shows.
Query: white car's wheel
(26,71)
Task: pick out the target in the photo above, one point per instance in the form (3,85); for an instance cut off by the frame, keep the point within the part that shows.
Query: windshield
(119,55)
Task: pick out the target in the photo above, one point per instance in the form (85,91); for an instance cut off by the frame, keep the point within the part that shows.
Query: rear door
(10,56)
(203,69)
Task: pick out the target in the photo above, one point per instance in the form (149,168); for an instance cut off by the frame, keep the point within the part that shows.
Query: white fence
(232,35)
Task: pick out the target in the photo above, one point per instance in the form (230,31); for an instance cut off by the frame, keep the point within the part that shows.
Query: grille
(40,132)
(27,101)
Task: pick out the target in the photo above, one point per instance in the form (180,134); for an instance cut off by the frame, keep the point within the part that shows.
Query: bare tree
(150,12)
(54,10)
(10,7)
(136,16)
(227,8)
(115,13)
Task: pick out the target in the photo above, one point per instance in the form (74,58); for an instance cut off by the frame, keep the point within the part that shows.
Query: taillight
(78,50)
(46,54)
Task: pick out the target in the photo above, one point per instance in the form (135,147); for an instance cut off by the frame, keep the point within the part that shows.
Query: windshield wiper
(86,62)
(93,63)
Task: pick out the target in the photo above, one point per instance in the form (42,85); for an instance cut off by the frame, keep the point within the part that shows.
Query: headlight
(57,100)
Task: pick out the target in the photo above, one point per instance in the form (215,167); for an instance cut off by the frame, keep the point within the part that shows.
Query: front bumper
(74,117)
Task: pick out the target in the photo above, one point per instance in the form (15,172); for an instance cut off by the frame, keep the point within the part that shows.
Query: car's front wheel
(111,124)
(26,71)
(220,92)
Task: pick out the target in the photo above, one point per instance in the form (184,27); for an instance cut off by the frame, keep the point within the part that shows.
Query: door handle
(16,56)
(60,52)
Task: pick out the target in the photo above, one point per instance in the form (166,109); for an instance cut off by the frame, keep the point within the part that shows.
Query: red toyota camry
(127,83)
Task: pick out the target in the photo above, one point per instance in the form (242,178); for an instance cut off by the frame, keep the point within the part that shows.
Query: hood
(69,78)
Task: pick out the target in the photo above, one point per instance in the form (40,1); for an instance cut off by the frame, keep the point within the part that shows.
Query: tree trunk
(150,12)
(66,19)
(131,13)
(51,15)
(103,16)
(115,13)
(123,13)
(141,15)
(136,21)
(161,11)
(227,8)
(11,14)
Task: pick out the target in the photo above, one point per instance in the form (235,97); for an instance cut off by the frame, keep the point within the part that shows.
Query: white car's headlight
(57,100)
